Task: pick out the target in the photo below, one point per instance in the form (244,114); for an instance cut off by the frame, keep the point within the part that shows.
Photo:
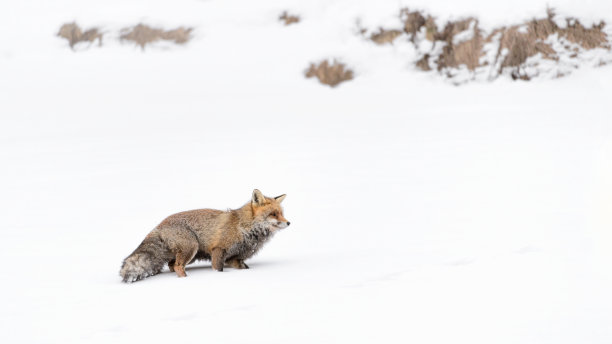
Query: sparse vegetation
(423,63)
(288,18)
(74,34)
(526,40)
(413,21)
(463,44)
(461,51)
(142,35)
(517,51)
(331,75)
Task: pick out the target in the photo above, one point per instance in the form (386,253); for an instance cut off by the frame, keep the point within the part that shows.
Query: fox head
(268,210)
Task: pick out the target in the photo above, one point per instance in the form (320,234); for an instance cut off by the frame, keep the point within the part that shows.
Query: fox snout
(279,223)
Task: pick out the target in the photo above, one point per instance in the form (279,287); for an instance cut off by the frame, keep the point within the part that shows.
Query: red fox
(225,237)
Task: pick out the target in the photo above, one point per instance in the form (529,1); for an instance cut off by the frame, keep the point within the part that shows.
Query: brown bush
(524,44)
(73,33)
(288,18)
(516,43)
(423,63)
(431,30)
(331,75)
(385,36)
(452,28)
(521,46)
(587,38)
(142,35)
(467,52)
(413,21)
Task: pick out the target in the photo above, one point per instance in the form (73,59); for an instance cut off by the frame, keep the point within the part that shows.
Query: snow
(420,211)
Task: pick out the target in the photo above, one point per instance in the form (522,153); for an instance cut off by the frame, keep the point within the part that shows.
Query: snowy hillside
(420,211)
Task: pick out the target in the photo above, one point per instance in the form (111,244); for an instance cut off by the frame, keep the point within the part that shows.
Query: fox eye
(274,214)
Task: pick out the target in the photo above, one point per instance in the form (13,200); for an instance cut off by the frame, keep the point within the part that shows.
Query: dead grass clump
(506,50)
(591,38)
(73,33)
(331,75)
(288,18)
(452,28)
(465,51)
(142,35)
(516,43)
(413,21)
(423,63)
(431,29)
(524,41)
(385,36)
(468,52)
(522,44)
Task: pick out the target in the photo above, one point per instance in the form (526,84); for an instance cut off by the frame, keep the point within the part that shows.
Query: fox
(226,238)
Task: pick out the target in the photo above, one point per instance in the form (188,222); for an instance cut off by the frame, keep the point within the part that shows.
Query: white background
(420,212)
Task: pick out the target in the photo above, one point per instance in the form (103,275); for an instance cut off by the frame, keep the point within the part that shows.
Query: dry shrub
(385,36)
(516,43)
(521,46)
(423,63)
(413,21)
(288,18)
(452,28)
(431,30)
(142,35)
(73,33)
(526,43)
(466,52)
(331,75)
(591,38)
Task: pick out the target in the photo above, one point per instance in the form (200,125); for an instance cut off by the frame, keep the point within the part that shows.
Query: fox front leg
(218,258)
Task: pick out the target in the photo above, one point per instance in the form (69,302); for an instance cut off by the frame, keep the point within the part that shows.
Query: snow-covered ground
(421,212)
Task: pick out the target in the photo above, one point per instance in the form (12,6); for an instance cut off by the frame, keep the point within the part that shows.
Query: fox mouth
(279,225)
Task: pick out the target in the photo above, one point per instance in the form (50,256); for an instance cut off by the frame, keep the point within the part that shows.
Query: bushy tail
(147,260)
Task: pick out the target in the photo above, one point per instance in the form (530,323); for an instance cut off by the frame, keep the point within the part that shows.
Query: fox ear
(258,198)
(280,198)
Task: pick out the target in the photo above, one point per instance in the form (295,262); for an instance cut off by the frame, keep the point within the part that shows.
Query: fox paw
(237,264)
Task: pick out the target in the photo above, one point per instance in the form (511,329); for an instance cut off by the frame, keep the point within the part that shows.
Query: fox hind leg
(182,258)
(183,246)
